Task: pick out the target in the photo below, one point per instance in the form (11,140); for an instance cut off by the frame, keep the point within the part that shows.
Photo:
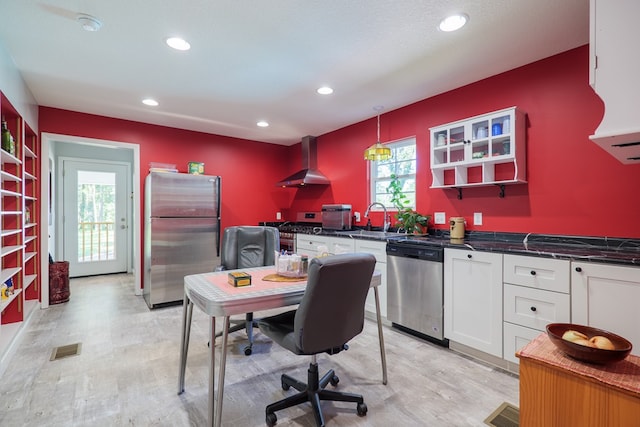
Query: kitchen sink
(382,235)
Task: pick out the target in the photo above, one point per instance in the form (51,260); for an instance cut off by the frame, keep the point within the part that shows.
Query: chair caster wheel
(247,351)
(362,409)
(334,380)
(271,420)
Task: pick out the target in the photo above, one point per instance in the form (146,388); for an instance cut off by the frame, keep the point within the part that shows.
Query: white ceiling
(259,59)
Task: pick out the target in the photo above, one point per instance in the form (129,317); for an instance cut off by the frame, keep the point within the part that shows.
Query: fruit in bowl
(588,344)
(573,336)
(602,342)
(597,341)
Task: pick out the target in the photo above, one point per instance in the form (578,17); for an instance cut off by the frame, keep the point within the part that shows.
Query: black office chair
(245,247)
(330,314)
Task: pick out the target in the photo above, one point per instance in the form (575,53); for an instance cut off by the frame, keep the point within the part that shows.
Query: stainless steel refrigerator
(181,233)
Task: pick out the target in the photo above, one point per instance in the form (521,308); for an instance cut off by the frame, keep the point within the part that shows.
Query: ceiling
(256,60)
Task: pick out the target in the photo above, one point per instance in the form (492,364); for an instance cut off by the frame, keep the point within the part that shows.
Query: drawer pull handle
(578,269)
(533,272)
(533,309)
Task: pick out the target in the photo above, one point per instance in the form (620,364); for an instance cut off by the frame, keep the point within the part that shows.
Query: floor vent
(506,415)
(65,351)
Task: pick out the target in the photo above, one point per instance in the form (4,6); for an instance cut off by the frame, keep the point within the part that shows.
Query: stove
(307,223)
(306,228)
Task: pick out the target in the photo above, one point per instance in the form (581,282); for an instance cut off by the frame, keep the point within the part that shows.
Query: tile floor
(126,374)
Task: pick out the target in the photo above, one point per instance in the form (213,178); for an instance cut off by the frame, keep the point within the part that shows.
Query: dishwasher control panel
(416,250)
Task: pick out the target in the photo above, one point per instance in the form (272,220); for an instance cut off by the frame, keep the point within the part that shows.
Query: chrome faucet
(385,219)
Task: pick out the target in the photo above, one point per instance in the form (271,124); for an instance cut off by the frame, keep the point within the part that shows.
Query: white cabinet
(379,249)
(482,150)
(307,244)
(340,245)
(613,73)
(536,293)
(473,299)
(314,245)
(607,297)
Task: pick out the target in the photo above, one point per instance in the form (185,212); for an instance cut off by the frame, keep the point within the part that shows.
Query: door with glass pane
(95,217)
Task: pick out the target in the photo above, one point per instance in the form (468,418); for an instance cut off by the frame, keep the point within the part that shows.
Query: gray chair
(330,314)
(245,247)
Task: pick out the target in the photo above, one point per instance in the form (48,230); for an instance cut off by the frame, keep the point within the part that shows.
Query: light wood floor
(126,374)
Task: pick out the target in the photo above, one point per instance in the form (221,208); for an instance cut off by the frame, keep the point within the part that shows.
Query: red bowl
(584,353)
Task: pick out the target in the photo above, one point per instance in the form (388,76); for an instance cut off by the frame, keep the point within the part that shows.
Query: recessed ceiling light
(453,22)
(325,90)
(263,124)
(88,22)
(150,102)
(178,44)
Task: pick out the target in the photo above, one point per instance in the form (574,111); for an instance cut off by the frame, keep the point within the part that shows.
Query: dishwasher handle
(426,254)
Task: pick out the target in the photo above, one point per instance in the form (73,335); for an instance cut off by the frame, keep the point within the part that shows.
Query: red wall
(574,187)
(248,169)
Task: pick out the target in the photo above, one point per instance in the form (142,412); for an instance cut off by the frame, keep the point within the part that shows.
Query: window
(403,165)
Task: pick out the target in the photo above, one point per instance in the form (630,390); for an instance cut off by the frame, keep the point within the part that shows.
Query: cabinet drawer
(516,337)
(340,245)
(535,272)
(307,244)
(379,249)
(535,308)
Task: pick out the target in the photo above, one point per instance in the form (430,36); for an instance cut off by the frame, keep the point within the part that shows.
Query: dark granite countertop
(576,248)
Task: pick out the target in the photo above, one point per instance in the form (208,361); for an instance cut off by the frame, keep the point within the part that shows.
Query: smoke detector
(88,22)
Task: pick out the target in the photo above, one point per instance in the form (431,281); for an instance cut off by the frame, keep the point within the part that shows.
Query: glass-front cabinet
(482,150)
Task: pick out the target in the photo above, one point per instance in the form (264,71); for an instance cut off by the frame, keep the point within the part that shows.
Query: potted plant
(407,218)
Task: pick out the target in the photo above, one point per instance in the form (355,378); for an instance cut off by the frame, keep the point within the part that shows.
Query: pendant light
(377,151)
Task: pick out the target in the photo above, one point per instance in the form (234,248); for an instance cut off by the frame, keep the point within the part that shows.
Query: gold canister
(456,230)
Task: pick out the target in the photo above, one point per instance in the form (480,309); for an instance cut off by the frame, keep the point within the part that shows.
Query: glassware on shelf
(506,125)
(8,144)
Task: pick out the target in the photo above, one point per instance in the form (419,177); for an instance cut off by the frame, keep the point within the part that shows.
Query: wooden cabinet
(19,232)
(536,293)
(558,391)
(606,296)
(483,150)
(614,74)
(473,299)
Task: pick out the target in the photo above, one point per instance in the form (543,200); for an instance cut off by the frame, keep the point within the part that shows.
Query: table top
(211,293)
(624,375)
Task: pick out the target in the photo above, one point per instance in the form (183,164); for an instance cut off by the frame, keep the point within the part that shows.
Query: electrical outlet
(357,215)
(477,218)
(278,215)
(439,218)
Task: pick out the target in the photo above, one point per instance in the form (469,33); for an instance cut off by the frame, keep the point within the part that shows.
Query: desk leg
(212,369)
(187,311)
(223,364)
(383,356)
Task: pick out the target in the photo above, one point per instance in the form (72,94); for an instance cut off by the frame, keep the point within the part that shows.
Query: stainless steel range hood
(309,174)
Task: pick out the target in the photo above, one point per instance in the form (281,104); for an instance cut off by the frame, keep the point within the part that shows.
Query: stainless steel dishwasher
(415,294)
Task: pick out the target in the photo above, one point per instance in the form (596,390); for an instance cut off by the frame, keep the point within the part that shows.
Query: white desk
(212,295)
